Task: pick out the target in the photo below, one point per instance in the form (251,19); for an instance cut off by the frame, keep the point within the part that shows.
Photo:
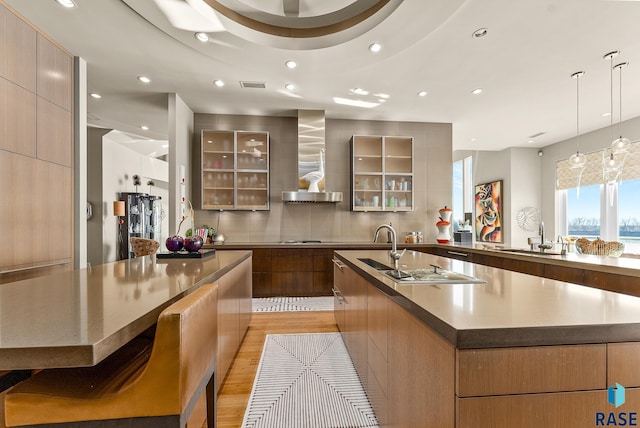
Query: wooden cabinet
(454,254)
(234,315)
(406,368)
(354,289)
(235,170)
(292,272)
(36,150)
(17,50)
(377,353)
(381,173)
(612,282)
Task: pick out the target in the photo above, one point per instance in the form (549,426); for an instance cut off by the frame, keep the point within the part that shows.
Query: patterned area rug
(292,304)
(307,381)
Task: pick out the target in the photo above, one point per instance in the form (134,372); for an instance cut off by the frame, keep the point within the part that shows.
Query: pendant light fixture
(620,144)
(613,156)
(578,160)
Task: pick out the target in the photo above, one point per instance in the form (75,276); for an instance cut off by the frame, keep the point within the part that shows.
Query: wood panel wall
(36,150)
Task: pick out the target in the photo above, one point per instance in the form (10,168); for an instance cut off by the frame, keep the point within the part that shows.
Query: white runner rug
(292,304)
(307,381)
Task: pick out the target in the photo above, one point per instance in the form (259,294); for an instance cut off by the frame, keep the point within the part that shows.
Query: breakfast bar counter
(78,318)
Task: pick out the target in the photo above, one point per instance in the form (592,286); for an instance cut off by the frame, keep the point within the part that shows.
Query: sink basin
(530,252)
(430,276)
(423,276)
(376,264)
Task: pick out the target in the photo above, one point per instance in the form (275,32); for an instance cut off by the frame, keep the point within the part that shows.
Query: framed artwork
(488,201)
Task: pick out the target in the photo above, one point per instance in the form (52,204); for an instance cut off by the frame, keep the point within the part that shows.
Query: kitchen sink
(376,264)
(434,276)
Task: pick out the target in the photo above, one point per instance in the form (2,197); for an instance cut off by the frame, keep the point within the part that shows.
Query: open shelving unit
(382,173)
(235,170)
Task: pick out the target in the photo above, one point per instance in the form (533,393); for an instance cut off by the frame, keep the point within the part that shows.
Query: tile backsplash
(331,222)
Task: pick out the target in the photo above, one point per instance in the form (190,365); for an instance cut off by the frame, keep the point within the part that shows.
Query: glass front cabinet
(382,173)
(235,170)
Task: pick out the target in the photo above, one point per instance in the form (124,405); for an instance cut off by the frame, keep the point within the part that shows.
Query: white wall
(120,164)
(492,166)
(180,136)
(520,170)
(80,162)
(525,191)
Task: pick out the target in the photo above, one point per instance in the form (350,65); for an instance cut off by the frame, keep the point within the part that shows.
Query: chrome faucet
(542,245)
(394,254)
(564,245)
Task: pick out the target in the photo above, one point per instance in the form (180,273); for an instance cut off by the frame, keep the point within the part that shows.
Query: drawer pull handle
(337,263)
(455,253)
(338,295)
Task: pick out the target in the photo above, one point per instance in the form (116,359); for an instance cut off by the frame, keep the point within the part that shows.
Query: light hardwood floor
(234,395)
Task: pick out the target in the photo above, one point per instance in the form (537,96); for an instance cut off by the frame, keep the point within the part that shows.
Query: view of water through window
(583,211)
(629,214)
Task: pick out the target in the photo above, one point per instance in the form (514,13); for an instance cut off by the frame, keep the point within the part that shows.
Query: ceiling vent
(255,85)
(537,135)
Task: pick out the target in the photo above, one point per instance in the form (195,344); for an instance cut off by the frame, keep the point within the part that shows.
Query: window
(583,211)
(629,215)
(462,190)
(609,210)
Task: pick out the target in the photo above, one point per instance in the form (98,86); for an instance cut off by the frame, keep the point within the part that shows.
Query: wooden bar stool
(141,385)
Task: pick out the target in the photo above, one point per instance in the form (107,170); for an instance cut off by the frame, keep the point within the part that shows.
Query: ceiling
(523,64)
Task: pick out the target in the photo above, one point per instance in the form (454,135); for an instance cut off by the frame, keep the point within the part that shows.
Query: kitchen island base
(416,376)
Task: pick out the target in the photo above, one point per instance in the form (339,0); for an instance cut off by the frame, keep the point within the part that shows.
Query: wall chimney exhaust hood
(311,161)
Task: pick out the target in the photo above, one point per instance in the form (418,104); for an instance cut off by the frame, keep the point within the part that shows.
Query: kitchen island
(78,318)
(516,351)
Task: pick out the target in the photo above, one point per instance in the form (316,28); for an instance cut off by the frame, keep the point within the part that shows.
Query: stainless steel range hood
(311,161)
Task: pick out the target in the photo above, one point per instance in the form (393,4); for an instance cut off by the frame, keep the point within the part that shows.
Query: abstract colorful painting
(489,212)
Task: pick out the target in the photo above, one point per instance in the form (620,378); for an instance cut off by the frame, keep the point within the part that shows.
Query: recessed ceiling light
(375,47)
(144,79)
(354,103)
(422,93)
(203,37)
(360,91)
(606,114)
(144,127)
(69,4)
(385,96)
(96,96)
(477,91)
(291,64)
(164,146)
(473,139)
(290,86)
(480,32)
(530,140)
(218,83)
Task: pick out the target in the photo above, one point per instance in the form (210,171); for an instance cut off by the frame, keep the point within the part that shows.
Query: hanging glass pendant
(620,145)
(577,160)
(612,167)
